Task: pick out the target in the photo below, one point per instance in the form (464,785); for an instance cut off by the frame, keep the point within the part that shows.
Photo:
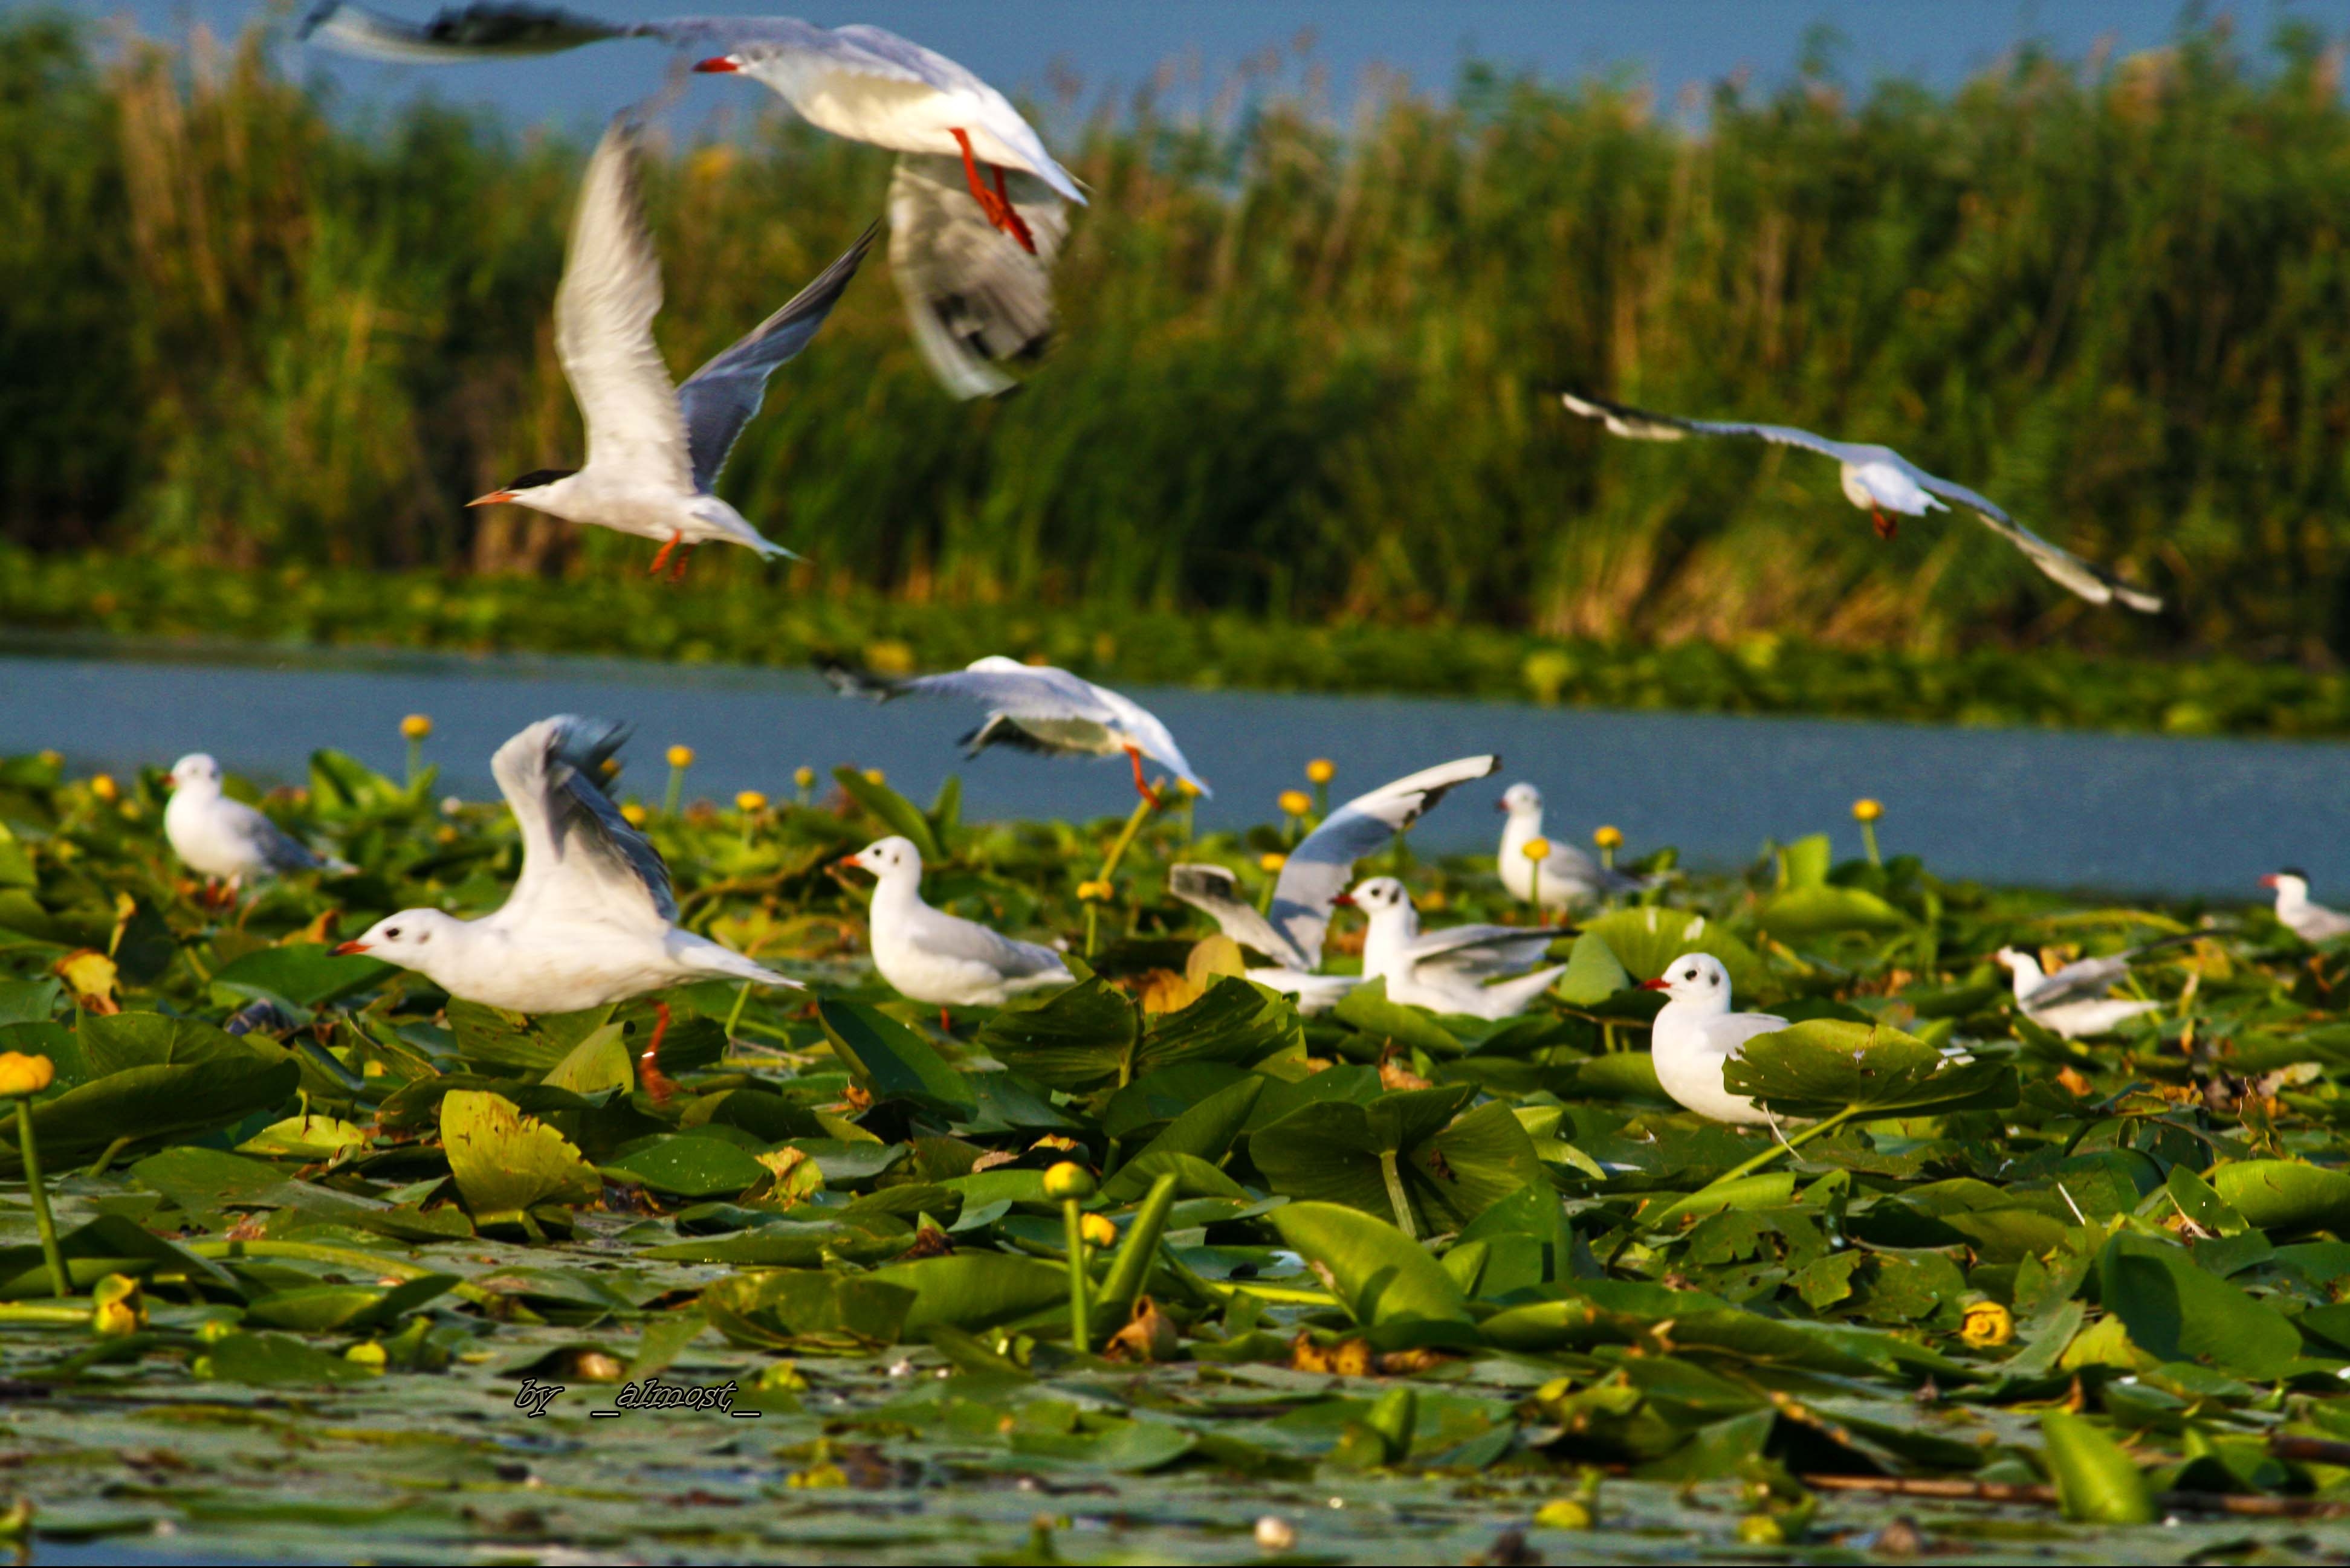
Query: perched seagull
(1446,971)
(1036,708)
(1311,878)
(2311,922)
(929,955)
(973,254)
(2073,1002)
(1567,875)
(1695,1033)
(654,450)
(226,839)
(1879,480)
(591,920)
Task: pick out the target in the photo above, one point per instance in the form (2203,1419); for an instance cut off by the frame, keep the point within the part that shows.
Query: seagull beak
(717,64)
(850,860)
(494,498)
(1660,983)
(1344,900)
(350,950)
(2268,881)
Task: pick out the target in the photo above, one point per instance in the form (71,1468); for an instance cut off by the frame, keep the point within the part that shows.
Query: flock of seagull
(978,210)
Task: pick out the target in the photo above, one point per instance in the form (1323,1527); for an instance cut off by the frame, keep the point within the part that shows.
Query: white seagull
(654,449)
(1036,708)
(1311,878)
(1446,971)
(2311,922)
(929,955)
(226,840)
(1567,875)
(592,919)
(1695,1035)
(973,254)
(2073,1002)
(1878,481)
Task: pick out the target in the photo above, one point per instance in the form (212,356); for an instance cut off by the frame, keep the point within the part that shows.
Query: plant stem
(1801,1136)
(742,1000)
(1073,1219)
(60,1285)
(1396,1194)
(1142,809)
(320,1252)
(1132,1269)
(45,1314)
(675,793)
(1868,837)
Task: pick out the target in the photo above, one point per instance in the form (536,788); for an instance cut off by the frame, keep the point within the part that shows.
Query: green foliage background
(1302,367)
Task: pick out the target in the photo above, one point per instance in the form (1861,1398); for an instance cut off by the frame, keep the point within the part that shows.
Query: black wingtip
(853,681)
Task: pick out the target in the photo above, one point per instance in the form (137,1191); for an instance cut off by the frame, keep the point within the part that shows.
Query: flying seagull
(977,211)
(654,450)
(1880,481)
(592,919)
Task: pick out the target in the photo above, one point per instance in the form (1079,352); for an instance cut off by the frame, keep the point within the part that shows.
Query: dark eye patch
(391,935)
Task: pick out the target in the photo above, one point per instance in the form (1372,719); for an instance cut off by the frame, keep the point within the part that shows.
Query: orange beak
(2268,881)
(350,950)
(849,860)
(1344,900)
(717,64)
(1660,983)
(494,498)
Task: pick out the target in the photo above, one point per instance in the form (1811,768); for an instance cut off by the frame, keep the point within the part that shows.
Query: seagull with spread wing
(654,449)
(978,207)
(592,919)
(1447,970)
(1314,877)
(2074,1002)
(1880,481)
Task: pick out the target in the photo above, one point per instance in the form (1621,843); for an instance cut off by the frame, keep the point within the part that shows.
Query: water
(2118,813)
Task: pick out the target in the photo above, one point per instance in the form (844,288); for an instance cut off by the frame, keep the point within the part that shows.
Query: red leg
(1013,222)
(657,1084)
(1885,526)
(1141,789)
(997,208)
(676,567)
(946,1024)
(660,556)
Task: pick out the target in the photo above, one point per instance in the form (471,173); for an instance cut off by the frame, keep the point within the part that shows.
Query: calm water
(2112,812)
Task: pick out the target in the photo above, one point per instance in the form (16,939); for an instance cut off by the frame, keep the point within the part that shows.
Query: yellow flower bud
(681,756)
(1295,802)
(1563,1513)
(1321,771)
(1098,1230)
(1608,837)
(1761,1530)
(804,777)
(103,787)
(117,1307)
(875,776)
(1272,860)
(416,726)
(750,800)
(1536,849)
(1986,1322)
(633,815)
(368,1354)
(1094,892)
(21,1075)
(1867,810)
(1070,1180)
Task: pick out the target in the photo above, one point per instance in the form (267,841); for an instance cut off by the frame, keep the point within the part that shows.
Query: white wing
(974,299)
(1481,952)
(467,33)
(1151,738)
(2086,578)
(1320,868)
(604,311)
(580,859)
(953,937)
(1639,424)
(1212,888)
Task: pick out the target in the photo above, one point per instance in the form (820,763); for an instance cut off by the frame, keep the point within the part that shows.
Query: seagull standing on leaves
(654,449)
(973,254)
(592,919)
(1879,480)
(2073,1002)
(1567,875)
(1446,971)
(2311,922)
(1313,876)
(227,840)
(929,955)
(1696,1034)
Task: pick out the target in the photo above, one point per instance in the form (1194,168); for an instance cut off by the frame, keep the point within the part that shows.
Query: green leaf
(1338,1151)
(15,862)
(1805,863)
(2177,1311)
(973,1290)
(1366,1007)
(109,1244)
(1647,939)
(1593,973)
(1379,1274)
(1195,1177)
(506,1162)
(895,812)
(690,1166)
(328,1309)
(893,1062)
(300,975)
(1206,1131)
(2096,1483)
(2284,1195)
(1234,1021)
(153,1105)
(278,1361)
(1151,1101)
(598,1063)
(1077,1039)
(1823,1065)
(1807,911)
(763,1309)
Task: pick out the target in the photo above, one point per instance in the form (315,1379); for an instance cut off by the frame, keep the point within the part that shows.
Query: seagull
(1445,971)
(932,956)
(226,839)
(654,450)
(1036,708)
(1567,875)
(2072,1001)
(1312,877)
(2311,922)
(1695,1033)
(973,254)
(1878,481)
(591,920)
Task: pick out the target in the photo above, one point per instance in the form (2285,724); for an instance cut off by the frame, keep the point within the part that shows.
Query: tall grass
(1302,365)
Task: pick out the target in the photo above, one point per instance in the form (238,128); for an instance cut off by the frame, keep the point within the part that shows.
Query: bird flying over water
(1880,481)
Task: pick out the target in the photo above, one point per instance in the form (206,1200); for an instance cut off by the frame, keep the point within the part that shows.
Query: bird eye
(1688,974)
(392,935)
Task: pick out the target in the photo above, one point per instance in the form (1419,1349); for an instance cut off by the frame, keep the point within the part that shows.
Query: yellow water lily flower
(1608,837)
(416,726)
(1272,860)
(681,756)
(1536,849)
(1098,1230)
(1985,1323)
(1295,802)
(21,1075)
(1068,1179)
(1867,810)
(750,800)
(1321,771)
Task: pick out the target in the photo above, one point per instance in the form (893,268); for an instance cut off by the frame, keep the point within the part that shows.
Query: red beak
(718,63)
(1660,983)
(847,860)
(494,498)
(2268,881)
(1344,900)
(348,950)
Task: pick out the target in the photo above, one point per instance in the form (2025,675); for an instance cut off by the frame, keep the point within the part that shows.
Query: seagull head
(2290,883)
(1375,896)
(412,939)
(2025,967)
(1519,799)
(1696,979)
(888,858)
(195,770)
(528,489)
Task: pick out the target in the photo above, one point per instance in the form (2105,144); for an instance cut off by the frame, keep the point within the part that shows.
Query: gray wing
(721,397)
(1152,738)
(1480,952)
(1214,889)
(579,854)
(951,935)
(1319,870)
(1639,424)
(974,299)
(1022,691)
(2086,578)
(2091,978)
(271,845)
(456,33)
